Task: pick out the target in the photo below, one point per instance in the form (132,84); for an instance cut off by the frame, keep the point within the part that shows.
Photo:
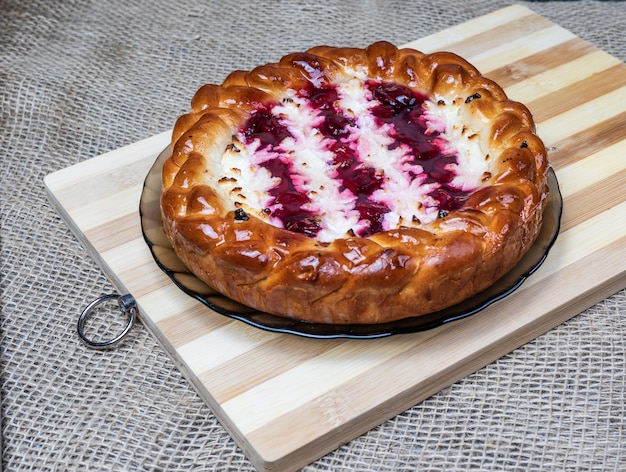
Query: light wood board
(288,400)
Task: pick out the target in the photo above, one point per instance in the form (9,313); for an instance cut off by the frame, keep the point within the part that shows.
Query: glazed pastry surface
(345,185)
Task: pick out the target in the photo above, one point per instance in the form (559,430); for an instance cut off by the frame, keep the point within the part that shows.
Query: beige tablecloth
(78,79)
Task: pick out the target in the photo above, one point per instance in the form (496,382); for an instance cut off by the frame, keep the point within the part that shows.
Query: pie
(351,186)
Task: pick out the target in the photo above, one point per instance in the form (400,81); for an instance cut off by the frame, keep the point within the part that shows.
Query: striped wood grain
(288,400)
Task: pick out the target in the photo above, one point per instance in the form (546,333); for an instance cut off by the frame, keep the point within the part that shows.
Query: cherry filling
(402,108)
(360,179)
(287,199)
(397,106)
(265,127)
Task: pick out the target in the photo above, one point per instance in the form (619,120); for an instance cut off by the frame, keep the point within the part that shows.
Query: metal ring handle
(127,306)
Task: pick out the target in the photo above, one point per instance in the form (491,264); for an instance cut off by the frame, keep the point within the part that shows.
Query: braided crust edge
(387,276)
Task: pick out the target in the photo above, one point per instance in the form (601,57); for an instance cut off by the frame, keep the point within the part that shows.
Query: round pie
(347,186)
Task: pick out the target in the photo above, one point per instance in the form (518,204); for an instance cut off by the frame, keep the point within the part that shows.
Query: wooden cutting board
(288,400)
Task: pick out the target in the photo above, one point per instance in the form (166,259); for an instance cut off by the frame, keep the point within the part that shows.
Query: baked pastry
(345,185)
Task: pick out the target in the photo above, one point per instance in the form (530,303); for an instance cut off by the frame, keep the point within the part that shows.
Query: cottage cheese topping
(352,159)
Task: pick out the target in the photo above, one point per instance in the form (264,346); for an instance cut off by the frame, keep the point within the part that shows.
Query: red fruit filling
(397,106)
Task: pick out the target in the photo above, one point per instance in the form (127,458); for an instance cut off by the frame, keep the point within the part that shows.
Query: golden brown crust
(387,276)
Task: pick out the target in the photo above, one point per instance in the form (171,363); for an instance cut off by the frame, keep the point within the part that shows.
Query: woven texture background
(78,79)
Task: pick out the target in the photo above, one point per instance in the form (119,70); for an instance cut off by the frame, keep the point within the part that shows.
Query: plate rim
(410,324)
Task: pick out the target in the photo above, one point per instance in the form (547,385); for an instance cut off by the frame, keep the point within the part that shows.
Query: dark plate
(168,261)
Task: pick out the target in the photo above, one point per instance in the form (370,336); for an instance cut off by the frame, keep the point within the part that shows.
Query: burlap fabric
(78,79)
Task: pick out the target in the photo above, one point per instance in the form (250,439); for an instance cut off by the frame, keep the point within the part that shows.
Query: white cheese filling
(313,173)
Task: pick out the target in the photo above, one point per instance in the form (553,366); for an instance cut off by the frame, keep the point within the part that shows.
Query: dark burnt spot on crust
(227,179)
(233,148)
(524,144)
(442,213)
(241,215)
(441,103)
(472,97)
